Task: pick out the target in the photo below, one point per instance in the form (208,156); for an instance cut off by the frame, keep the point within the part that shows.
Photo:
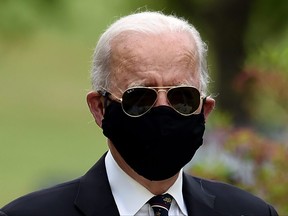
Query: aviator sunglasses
(136,101)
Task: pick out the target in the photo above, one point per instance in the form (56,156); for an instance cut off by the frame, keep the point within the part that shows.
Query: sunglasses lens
(185,100)
(137,101)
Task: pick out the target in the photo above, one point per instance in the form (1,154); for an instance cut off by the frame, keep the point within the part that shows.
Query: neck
(155,187)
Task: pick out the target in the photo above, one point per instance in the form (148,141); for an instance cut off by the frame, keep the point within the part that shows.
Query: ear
(208,106)
(95,103)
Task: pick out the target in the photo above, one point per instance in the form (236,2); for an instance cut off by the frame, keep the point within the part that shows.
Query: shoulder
(233,200)
(59,198)
(66,198)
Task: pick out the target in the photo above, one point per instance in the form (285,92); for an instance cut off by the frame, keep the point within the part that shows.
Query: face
(152,61)
(158,60)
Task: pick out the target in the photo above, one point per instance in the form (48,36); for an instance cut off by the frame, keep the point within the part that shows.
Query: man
(149,96)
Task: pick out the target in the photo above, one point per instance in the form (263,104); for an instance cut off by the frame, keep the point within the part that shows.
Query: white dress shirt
(131,197)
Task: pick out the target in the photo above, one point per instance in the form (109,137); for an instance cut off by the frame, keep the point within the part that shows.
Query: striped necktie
(161,204)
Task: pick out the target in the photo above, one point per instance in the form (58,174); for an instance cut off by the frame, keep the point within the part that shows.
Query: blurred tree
(228,21)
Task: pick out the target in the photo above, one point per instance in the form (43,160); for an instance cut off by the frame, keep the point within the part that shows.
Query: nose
(162,99)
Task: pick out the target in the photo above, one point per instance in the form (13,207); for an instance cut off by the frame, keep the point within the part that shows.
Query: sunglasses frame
(105,93)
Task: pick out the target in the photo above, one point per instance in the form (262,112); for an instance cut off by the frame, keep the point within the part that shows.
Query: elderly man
(149,97)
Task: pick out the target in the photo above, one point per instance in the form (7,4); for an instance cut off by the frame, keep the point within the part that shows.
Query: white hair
(146,23)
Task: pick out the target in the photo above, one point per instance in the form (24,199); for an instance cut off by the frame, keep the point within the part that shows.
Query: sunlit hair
(146,23)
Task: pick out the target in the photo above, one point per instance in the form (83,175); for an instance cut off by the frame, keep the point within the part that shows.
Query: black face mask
(156,145)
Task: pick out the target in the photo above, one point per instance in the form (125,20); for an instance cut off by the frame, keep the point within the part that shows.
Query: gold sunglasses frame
(105,93)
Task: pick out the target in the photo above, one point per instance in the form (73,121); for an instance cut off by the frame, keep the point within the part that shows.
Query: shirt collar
(125,189)
(176,191)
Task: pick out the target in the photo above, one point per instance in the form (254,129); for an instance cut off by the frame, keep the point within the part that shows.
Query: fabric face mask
(156,145)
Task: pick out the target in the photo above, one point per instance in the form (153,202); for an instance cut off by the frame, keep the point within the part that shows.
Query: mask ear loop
(107,100)
(204,101)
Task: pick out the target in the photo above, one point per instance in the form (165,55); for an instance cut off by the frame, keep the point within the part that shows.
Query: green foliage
(220,119)
(271,56)
(267,158)
(265,78)
(268,20)
(19,18)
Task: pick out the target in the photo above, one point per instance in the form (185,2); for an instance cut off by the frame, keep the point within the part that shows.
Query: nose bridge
(162,99)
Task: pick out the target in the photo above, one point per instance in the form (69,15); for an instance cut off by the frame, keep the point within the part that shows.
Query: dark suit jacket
(91,195)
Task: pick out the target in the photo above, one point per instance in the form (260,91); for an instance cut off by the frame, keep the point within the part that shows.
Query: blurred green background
(47,134)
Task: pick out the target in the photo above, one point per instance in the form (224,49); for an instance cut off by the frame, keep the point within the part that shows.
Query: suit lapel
(197,201)
(94,195)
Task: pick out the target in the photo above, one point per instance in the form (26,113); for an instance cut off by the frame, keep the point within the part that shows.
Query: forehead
(158,60)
